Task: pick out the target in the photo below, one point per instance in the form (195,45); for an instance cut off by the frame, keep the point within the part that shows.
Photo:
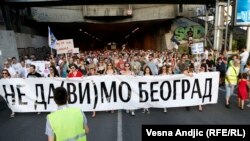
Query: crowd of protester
(134,62)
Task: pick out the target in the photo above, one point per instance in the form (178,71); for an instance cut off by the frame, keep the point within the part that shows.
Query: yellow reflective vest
(67,124)
(232,75)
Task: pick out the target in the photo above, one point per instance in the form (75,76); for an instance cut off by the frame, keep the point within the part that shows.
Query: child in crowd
(242,91)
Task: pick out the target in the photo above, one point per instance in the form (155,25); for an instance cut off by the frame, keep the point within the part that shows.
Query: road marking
(119,126)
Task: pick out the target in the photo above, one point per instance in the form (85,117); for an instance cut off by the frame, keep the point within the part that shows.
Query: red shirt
(120,65)
(78,74)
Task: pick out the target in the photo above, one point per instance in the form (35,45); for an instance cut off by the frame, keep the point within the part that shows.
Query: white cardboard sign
(63,46)
(197,48)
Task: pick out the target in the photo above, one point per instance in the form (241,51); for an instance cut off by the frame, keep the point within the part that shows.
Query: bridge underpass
(94,27)
(37,15)
(92,36)
(150,35)
(17,5)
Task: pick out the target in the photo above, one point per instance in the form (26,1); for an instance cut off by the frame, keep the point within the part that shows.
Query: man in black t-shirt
(33,73)
(210,63)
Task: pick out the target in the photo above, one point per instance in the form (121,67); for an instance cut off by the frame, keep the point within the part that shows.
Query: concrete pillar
(6,16)
(206,26)
(8,45)
(228,8)
(248,39)
(230,40)
(219,25)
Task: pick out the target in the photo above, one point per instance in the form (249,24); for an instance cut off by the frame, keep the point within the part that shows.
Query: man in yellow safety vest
(67,123)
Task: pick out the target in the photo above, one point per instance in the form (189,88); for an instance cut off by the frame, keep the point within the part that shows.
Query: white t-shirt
(244,56)
(16,66)
(95,60)
(206,54)
(12,72)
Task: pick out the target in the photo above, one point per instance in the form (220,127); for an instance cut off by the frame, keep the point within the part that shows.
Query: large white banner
(112,92)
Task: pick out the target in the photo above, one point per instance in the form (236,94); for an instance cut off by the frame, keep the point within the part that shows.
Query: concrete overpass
(111,21)
(108,18)
(33,3)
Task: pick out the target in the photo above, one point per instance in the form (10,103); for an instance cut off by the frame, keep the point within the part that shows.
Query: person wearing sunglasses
(128,72)
(74,72)
(110,70)
(165,70)
(5,75)
(147,72)
(101,68)
(11,70)
(53,72)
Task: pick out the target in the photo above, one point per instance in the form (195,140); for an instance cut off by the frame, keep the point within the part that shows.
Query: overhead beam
(41,3)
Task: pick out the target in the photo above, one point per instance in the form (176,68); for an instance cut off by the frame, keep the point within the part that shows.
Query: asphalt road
(120,126)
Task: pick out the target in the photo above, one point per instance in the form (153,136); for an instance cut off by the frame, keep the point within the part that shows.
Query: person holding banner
(128,72)
(74,72)
(6,75)
(33,73)
(67,123)
(202,69)
(53,72)
(92,72)
(147,72)
(11,70)
(186,72)
(110,70)
(166,70)
(101,67)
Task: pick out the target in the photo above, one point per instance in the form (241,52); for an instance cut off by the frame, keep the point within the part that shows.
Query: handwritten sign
(197,48)
(63,46)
